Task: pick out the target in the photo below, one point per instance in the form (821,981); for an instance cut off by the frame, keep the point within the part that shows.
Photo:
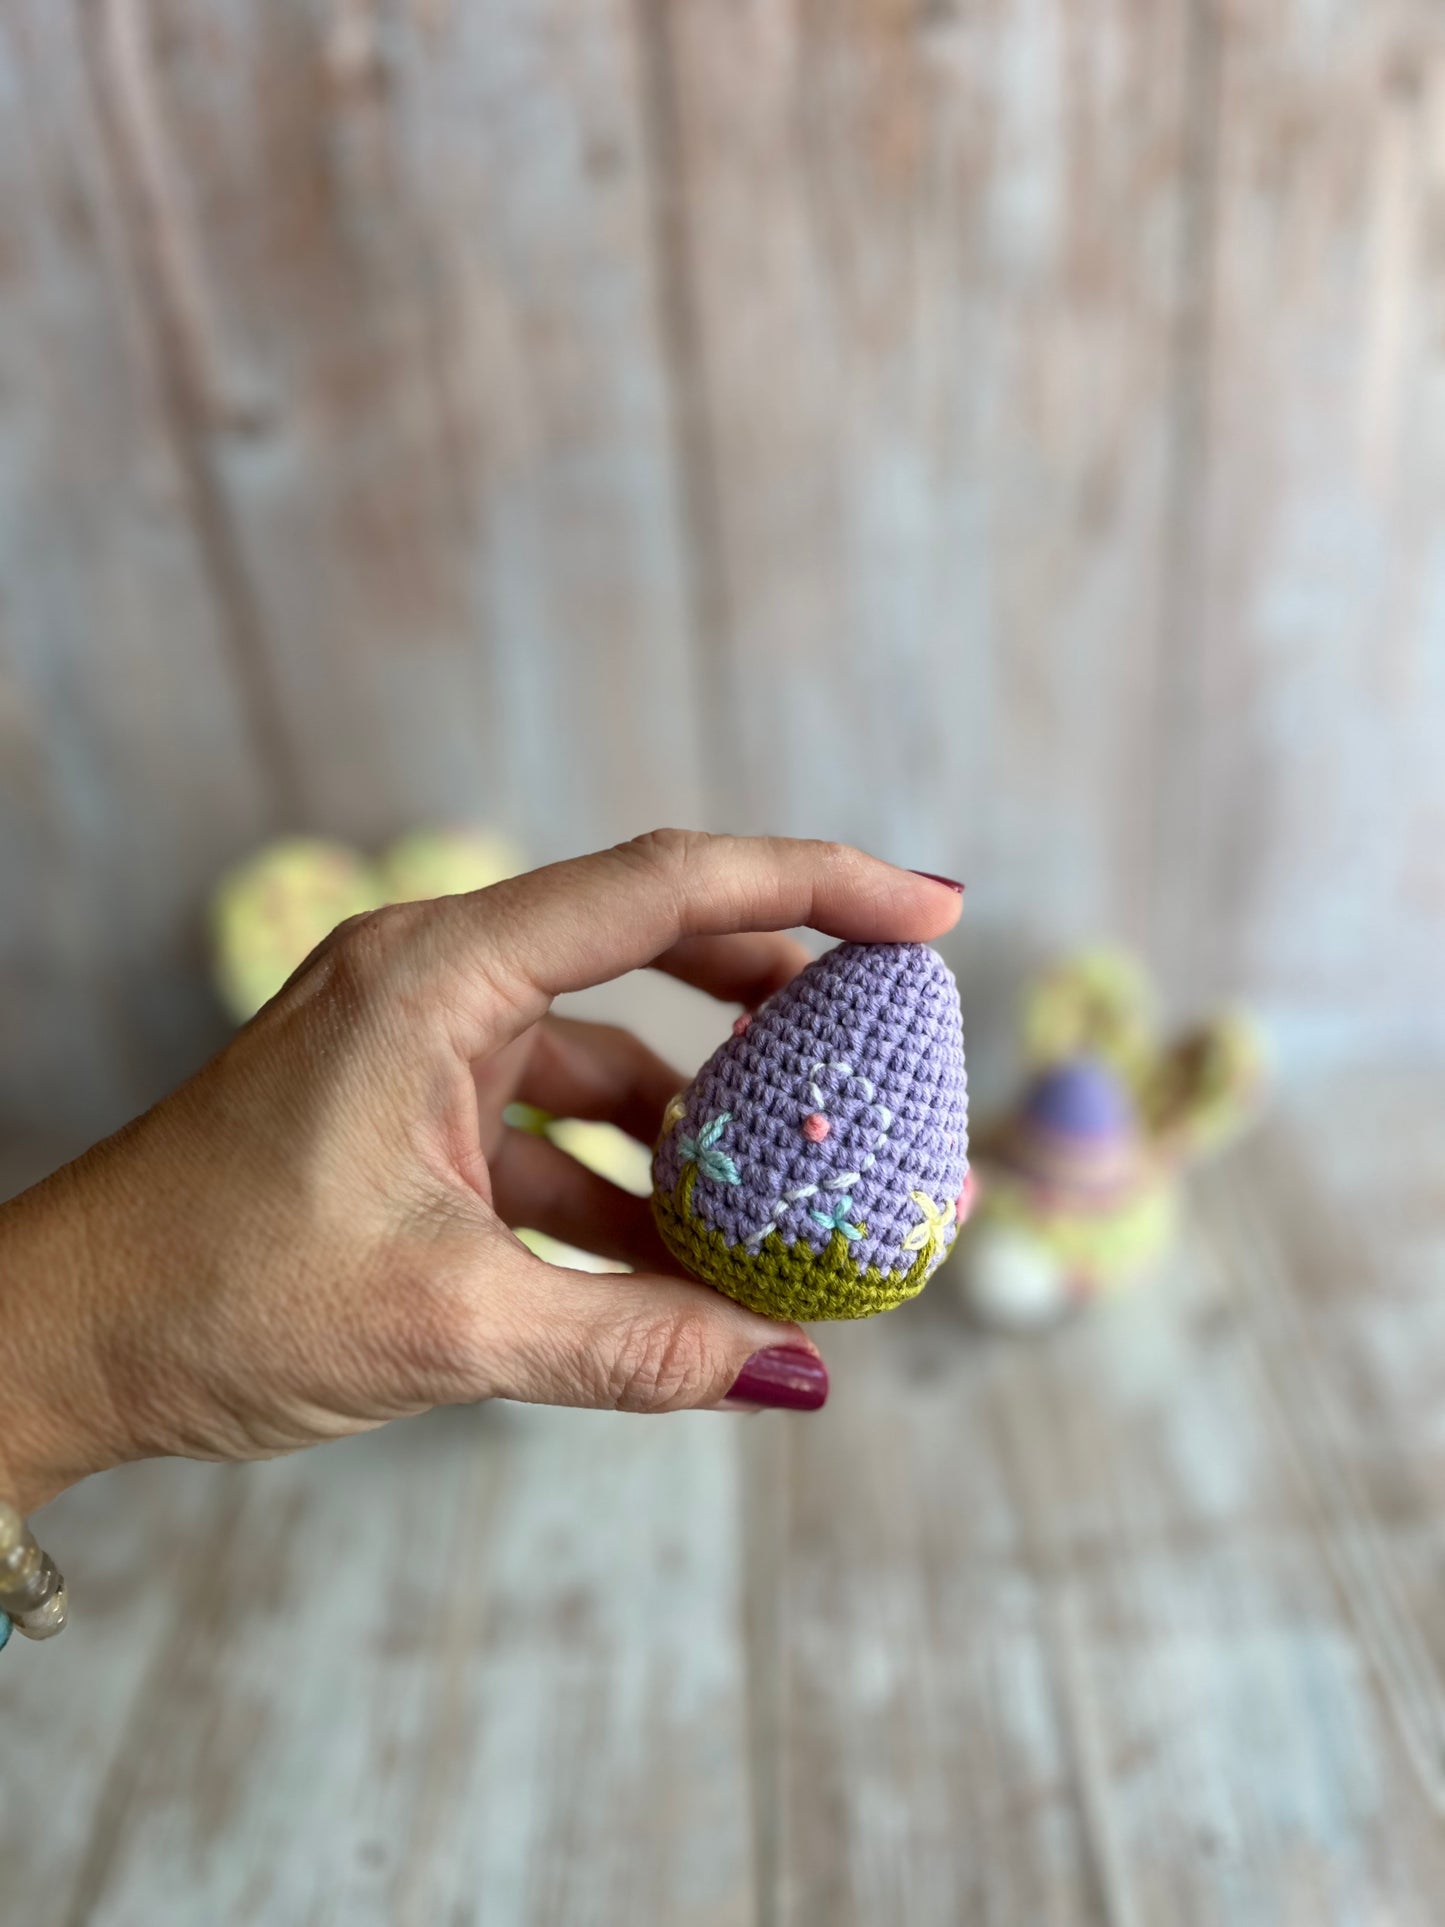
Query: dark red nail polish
(785,1378)
(949,883)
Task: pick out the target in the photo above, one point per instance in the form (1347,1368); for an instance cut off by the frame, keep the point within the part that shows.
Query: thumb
(641,1343)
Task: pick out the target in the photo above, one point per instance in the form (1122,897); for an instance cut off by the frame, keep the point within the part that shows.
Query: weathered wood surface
(125,770)
(936,375)
(1309,659)
(1136,1623)
(1009,434)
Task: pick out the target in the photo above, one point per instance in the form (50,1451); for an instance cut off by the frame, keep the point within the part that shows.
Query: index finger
(582,922)
(743,967)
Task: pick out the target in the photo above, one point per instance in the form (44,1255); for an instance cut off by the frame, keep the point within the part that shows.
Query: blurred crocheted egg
(1076,1130)
(1098,1004)
(816,1165)
(270,912)
(446,862)
(1009,1279)
(1073,1200)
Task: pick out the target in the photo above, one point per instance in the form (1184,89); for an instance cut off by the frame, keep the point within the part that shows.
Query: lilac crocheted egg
(1076,1130)
(1082,1099)
(815,1166)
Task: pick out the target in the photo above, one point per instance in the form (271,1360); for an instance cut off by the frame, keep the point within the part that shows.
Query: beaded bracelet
(32,1592)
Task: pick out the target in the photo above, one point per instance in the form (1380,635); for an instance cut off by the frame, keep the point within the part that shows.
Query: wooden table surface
(1142,1621)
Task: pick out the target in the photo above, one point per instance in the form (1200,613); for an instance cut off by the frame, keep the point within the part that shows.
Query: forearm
(63,1256)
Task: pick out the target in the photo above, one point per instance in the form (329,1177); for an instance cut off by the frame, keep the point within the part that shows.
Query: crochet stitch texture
(751,1193)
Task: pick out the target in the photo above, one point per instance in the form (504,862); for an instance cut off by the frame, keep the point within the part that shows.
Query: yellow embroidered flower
(937,1221)
(675,1112)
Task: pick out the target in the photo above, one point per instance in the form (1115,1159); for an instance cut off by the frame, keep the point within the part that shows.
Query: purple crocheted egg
(1082,1099)
(1076,1130)
(814,1167)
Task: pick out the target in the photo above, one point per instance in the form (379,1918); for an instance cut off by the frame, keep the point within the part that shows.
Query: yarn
(1075,1130)
(1079,1183)
(1015,1283)
(1098,1003)
(446,862)
(270,912)
(813,1168)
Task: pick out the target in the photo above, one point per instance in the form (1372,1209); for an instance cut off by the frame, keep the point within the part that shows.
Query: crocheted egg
(1010,1278)
(816,1166)
(1073,1199)
(1076,1129)
(269,912)
(445,862)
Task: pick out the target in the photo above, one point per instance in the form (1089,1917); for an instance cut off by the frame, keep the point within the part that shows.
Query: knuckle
(668,850)
(837,856)
(663,1365)
(364,947)
(360,940)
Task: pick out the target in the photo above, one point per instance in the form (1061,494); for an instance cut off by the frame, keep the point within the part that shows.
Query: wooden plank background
(1007,433)
(1136,1623)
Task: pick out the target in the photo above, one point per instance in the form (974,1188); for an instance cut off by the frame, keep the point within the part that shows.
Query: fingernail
(949,883)
(785,1378)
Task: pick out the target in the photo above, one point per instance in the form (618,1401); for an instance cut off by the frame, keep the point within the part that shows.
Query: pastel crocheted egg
(446,862)
(816,1166)
(272,910)
(1076,1130)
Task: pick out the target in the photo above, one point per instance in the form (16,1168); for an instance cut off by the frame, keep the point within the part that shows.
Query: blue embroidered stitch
(710,1162)
(837,1219)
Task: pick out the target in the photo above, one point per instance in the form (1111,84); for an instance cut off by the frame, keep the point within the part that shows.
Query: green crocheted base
(785,1280)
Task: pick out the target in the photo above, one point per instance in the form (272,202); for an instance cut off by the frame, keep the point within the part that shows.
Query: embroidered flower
(837,1219)
(937,1221)
(702,1152)
(676,1111)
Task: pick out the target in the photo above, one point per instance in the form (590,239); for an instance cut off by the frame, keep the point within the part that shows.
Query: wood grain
(126,774)
(1123,1626)
(1307,858)
(341,480)
(937,378)
(1135,1622)
(485,1668)
(430,264)
(1007,436)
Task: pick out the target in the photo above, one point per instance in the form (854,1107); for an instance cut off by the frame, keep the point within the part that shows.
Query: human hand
(312,1236)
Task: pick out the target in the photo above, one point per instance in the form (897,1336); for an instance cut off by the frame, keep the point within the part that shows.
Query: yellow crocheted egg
(271,911)
(445,863)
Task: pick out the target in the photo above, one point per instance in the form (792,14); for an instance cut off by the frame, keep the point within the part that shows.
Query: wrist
(59,1256)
